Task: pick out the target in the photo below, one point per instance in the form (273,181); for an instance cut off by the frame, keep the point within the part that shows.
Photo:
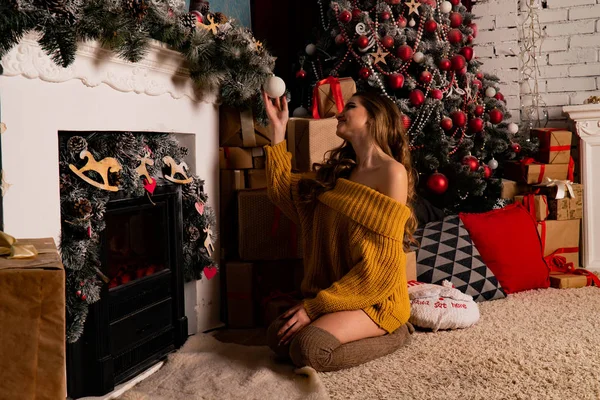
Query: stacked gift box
(543,185)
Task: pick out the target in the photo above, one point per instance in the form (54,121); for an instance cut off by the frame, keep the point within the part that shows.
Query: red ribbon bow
(336,91)
(529,203)
(558,263)
(528,161)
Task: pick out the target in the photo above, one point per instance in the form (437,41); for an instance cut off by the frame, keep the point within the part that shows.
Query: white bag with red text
(438,307)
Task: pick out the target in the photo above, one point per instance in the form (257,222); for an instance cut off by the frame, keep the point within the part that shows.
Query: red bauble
(471,162)
(426,77)
(473,27)
(428,2)
(479,76)
(467,53)
(364,73)
(456,20)
(436,94)
(463,71)
(78,293)
(396,81)
(446,123)
(404,52)
(345,16)
(479,110)
(499,96)
(445,64)
(458,62)
(385,15)
(469,39)
(477,83)
(83,297)
(362,41)
(402,22)
(356,13)
(437,183)
(393,1)
(455,2)
(387,41)
(487,172)
(516,147)
(459,118)
(301,74)
(455,36)
(430,26)
(339,40)
(496,116)
(416,97)
(476,125)
(406,121)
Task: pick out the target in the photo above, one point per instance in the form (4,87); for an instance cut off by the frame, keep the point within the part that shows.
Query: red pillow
(509,244)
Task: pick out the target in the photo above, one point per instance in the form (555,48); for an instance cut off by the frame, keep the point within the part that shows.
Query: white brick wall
(570,52)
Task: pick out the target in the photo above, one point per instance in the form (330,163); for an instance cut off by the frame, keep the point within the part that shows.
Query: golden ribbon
(9,245)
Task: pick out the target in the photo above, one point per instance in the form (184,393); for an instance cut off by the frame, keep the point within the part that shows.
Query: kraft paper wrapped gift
(564,203)
(560,280)
(32,332)
(325,99)
(240,294)
(257,178)
(560,238)
(532,173)
(555,145)
(309,139)
(510,189)
(241,158)
(265,233)
(240,129)
(537,205)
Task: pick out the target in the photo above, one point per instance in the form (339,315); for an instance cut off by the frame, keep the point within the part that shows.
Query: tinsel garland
(83,207)
(227,60)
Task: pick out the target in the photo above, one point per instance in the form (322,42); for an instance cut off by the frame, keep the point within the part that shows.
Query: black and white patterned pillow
(447,252)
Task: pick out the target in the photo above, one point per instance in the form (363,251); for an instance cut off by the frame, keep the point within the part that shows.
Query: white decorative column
(587,121)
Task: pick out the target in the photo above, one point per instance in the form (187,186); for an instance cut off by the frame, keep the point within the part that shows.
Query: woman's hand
(277,111)
(298,319)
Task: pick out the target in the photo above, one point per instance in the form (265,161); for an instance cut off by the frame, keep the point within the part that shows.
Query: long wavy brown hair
(388,131)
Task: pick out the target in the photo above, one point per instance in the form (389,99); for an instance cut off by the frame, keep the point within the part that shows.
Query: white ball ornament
(419,57)
(490,92)
(446,7)
(274,86)
(411,23)
(513,128)
(493,164)
(310,49)
(300,112)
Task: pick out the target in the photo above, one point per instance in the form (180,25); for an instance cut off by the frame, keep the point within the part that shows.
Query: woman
(354,220)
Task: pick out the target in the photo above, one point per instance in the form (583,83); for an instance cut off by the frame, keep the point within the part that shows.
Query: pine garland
(83,207)
(230,62)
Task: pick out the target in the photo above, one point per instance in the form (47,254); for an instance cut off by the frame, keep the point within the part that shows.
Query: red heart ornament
(200,207)
(150,186)
(210,272)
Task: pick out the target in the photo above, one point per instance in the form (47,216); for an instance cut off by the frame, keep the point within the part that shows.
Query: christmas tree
(420,55)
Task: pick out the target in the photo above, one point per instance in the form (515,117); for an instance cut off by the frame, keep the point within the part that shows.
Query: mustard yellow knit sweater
(352,240)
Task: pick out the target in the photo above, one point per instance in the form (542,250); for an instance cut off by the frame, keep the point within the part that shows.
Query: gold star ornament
(211,27)
(379,56)
(413,6)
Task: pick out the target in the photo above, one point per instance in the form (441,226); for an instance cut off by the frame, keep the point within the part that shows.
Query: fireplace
(139,318)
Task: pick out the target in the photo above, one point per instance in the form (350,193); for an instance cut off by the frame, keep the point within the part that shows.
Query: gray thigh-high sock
(322,351)
(273,340)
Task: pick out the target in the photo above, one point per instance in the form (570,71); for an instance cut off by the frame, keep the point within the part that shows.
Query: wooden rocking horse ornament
(142,171)
(176,169)
(102,167)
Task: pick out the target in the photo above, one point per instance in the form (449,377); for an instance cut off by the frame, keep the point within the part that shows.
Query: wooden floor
(247,337)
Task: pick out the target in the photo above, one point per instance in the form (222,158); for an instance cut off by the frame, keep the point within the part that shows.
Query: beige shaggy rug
(533,345)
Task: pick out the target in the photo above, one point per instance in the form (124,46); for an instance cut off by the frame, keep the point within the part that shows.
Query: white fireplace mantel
(587,122)
(98,92)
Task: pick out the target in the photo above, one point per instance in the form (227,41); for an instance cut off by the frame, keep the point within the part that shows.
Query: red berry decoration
(455,2)
(404,52)
(387,41)
(479,76)
(467,53)
(473,27)
(496,116)
(385,15)
(476,125)
(471,162)
(356,14)
(362,41)
(436,94)
(301,74)
(445,64)
(431,26)
(364,73)
(401,21)
(446,123)
(456,19)
(339,40)
(459,118)
(416,97)
(455,36)
(426,77)
(487,172)
(458,62)
(479,110)
(345,16)
(396,81)
(406,121)
(499,96)
(78,293)
(83,297)
(437,183)
(516,147)
(477,83)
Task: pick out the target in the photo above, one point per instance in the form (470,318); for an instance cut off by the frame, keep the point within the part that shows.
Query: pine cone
(128,142)
(188,21)
(51,5)
(190,190)
(194,233)
(83,208)
(138,8)
(220,18)
(77,144)
(115,179)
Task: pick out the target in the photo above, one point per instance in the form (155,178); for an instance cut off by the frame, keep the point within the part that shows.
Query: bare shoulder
(393,181)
